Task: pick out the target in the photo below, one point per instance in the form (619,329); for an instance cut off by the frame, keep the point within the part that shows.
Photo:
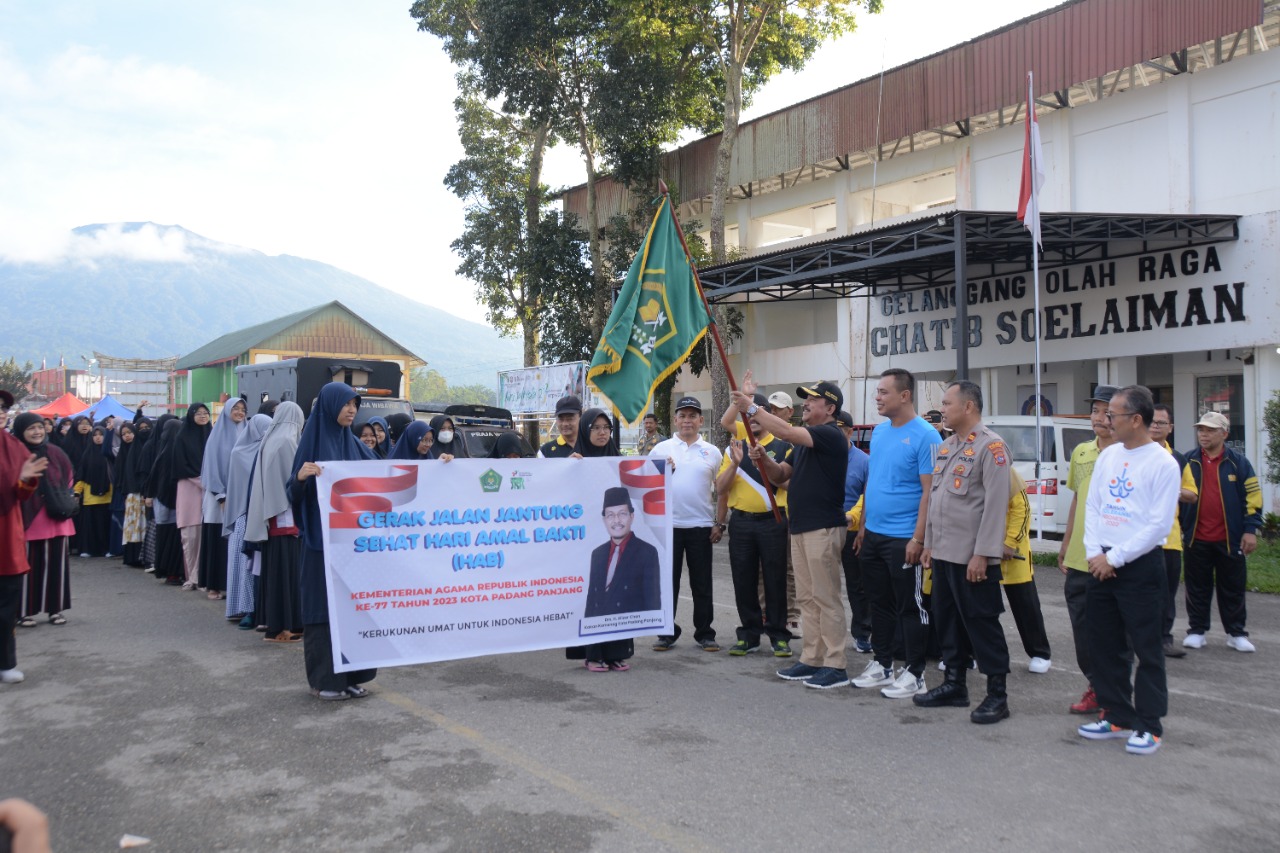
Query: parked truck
(299,380)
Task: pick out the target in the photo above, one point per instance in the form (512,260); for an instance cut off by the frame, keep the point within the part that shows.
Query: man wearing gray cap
(1219,531)
(1071,557)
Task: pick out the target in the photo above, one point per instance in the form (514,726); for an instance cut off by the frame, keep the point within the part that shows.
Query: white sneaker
(942,666)
(874,675)
(906,686)
(1194,641)
(11,676)
(1241,644)
(1039,665)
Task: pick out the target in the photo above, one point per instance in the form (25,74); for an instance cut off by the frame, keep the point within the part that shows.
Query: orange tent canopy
(66,405)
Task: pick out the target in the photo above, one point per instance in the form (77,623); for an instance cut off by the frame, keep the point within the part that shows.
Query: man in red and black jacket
(1219,531)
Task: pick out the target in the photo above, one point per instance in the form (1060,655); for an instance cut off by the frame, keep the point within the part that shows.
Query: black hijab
(584,445)
(454,448)
(157,477)
(73,443)
(507,444)
(94,468)
(135,475)
(120,467)
(188,452)
(58,473)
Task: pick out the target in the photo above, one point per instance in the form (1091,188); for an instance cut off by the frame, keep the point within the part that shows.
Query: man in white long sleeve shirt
(1131,496)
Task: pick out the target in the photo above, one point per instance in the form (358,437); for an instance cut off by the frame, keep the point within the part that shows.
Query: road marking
(664,833)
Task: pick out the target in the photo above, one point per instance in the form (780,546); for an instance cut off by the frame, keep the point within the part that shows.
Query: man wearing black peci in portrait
(624,570)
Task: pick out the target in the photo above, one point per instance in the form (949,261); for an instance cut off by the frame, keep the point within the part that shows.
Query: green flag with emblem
(658,319)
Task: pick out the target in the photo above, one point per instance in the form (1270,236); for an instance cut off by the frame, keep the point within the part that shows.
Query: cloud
(147,242)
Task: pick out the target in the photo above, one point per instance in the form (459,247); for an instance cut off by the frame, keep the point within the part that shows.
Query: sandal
(283,637)
(216,596)
(331,695)
(27,622)
(618,666)
(57,619)
(355,691)
(597,666)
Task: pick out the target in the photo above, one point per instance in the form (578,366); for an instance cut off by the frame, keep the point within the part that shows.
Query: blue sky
(321,129)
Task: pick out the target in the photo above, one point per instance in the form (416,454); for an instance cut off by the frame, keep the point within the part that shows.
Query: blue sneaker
(1102,730)
(798,672)
(862,644)
(1142,743)
(828,677)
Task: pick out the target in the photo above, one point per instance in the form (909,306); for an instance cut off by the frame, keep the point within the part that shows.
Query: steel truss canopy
(948,247)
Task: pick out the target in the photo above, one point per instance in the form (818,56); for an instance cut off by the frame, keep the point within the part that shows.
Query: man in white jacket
(1133,492)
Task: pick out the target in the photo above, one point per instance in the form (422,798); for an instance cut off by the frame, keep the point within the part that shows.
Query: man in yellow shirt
(1018,577)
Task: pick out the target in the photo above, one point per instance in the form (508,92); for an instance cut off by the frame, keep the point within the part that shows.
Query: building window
(1223,394)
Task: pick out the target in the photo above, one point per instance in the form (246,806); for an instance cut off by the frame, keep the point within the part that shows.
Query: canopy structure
(65,406)
(109,406)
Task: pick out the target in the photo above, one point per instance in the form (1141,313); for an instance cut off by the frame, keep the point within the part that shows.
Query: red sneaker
(1088,703)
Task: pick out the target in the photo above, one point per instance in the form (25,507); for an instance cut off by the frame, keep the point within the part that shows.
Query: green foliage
(1270,527)
(1264,568)
(1271,423)
(15,378)
(428,386)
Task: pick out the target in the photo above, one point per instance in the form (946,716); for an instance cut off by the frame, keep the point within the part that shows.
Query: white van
(1060,436)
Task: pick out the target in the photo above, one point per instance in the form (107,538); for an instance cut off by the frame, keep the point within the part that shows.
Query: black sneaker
(798,672)
(781,649)
(708,645)
(663,644)
(828,677)
(741,649)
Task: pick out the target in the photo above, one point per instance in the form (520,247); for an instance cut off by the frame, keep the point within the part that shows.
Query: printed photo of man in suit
(624,570)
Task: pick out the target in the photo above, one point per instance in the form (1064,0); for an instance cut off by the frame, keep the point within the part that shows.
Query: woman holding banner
(595,438)
(327,437)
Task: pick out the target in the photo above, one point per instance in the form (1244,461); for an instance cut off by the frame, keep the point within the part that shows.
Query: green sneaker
(740,649)
(781,649)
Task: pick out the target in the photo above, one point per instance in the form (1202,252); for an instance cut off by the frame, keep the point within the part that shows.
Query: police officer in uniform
(963,544)
(568,412)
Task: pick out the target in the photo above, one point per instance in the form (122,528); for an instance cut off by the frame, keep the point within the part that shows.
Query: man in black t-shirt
(815,502)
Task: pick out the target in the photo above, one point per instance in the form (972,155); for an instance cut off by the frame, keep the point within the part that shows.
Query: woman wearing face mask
(47,587)
(446,443)
(93,484)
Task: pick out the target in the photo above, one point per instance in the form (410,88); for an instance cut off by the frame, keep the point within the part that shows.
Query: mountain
(141,290)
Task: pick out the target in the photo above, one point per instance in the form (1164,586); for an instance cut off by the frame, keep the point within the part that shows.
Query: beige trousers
(816,556)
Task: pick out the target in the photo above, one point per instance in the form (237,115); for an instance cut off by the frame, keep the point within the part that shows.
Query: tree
(428,386)
(16,379)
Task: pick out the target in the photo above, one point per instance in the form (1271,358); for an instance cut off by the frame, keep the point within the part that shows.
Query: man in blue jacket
(1219,531)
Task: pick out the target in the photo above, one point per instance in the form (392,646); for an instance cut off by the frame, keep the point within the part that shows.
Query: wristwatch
(752,409)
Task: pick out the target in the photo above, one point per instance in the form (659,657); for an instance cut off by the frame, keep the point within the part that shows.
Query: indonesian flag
(1032,171)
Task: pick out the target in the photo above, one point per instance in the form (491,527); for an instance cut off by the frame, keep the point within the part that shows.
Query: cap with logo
(1214,420)
(1102,394)
(689,403)
(569,405)
(933,416)
(844,419)
(828,391)
(780,399)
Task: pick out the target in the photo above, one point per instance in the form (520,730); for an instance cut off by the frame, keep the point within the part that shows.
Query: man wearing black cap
(1071,557)
(694,463)
(757,543)
(815,470)
(624,570)
(568,411)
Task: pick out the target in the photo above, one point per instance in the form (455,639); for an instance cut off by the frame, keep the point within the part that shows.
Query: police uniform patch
(968,451)
(972,436)
(957,483)
(999,458)
(944,451)
(959,469)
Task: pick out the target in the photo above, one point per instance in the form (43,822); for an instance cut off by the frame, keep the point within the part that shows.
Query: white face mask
(446,436)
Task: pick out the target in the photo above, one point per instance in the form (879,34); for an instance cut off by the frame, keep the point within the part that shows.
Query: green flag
(658,319)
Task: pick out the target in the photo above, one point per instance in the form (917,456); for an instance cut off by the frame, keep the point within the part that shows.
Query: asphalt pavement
(149,714)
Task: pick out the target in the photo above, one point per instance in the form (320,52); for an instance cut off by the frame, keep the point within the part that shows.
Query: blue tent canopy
(106,407)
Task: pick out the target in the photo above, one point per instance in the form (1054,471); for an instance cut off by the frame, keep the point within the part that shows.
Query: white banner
(430,561)
(536,389)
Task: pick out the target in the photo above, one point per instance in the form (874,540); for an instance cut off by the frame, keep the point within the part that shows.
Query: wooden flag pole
(724,358)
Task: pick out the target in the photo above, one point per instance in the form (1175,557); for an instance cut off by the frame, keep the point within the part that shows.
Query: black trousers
(317,655)
(10,601)
(1024,604)
(967,617)
(1129,610)
(693,545)
(897,600)
(1172,575)
(859,605)
(1075,589)
(758,547)
(1207,564)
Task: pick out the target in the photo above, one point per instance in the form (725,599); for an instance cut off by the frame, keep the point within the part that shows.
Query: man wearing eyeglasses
(1161,427)
(1131,497)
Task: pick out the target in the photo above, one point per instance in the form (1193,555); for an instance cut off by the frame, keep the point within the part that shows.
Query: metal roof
(924,251)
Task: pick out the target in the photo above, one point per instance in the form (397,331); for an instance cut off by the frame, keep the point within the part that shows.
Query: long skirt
(149,544)
(47,587)
(115,539)
(135,519)
(239,573)
(281,601)
(213,558)
(95,529)
(612,650)
(169,565)
(317,652)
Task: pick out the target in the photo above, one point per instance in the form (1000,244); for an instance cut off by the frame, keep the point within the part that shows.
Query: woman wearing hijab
(368,437)
(382,434)
(397,423)
(326,437)
(414,443)
(75,441)
(213,483)
(595,438)
(19,473)
(239,568)
(273,529)
(124,438)
(447,442)
(47,587)
(507,446)
(134,525)
(168,551)
(93,484)
(141,469)
(182,486)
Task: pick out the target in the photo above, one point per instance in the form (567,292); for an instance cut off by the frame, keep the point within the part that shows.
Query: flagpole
(1035,303)
(724,358)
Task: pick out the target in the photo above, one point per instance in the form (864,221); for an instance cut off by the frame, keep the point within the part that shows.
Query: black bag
(60,502)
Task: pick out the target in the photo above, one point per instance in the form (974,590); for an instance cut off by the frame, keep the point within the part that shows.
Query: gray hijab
(217,450)
(240,470)
(267,497)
